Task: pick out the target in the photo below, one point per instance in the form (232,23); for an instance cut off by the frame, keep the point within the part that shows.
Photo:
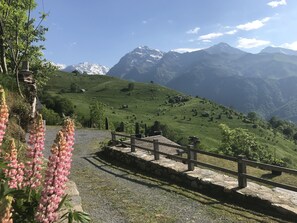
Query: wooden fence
(193,159)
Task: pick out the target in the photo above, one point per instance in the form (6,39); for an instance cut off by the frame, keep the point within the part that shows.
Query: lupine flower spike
(5,210)
(3,115)
(68,129)
(35,154)
(56,176)
(15,170)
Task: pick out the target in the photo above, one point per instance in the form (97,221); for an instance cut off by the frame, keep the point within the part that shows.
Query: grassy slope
(147,103)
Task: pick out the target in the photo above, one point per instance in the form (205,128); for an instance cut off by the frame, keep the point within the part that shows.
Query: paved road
(112,194)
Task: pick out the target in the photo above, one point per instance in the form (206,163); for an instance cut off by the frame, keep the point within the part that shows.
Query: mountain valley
(263,82)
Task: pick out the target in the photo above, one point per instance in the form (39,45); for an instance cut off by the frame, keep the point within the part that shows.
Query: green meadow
(146,103)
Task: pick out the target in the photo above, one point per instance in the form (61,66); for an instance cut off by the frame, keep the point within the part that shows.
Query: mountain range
(86,68)
(265,82)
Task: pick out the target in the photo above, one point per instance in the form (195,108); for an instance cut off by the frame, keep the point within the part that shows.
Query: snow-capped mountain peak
(137,61)
(144,51)
(59,65)
(87,68)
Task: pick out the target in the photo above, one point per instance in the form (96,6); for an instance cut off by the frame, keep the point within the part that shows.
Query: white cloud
(266,19)
(144,22)
(192,40)
(206,41)
(193,31)
(256,24)
(186,50)
(291,46)
(275,4)
(231,32)
(210,36)
(251,43)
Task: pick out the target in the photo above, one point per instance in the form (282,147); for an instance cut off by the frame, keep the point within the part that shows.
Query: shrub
(51,117)
(121,127)
(131,86)
(239,141)
(58,104)
(178,99)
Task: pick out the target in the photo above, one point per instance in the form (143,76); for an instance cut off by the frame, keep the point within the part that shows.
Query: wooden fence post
(132,143)
(242,181)
(195,156)
(190,157)
(156,149)
(113,138)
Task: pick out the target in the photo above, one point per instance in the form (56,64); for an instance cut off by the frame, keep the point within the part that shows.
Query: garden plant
(31,188)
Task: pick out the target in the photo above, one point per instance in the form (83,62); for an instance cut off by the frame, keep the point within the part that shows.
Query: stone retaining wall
(74,198)
(210,182)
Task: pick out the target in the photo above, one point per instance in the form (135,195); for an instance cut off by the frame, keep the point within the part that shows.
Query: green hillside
(148,102)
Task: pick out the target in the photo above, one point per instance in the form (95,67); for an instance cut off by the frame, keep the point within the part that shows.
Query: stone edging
(73,196)
(282,201)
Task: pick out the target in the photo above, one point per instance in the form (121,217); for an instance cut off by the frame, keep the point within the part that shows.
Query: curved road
(112,194)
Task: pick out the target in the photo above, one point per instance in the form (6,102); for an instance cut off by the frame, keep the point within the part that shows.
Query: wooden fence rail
(192,160)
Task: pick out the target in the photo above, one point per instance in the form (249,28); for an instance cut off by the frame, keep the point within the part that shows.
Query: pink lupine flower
(35,154)
(68,129)
(14,172)
(56,174)
(6,217)
(3,115)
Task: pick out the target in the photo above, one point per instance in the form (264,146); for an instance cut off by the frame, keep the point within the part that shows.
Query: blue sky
(102,31)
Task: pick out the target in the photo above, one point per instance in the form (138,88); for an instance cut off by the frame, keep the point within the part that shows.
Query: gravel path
(112,194)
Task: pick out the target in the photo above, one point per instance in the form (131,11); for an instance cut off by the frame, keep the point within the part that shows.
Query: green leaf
(82,217)
(62,202)
(70,217)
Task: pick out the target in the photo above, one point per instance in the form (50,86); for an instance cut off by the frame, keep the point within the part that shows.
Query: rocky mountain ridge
(262,82)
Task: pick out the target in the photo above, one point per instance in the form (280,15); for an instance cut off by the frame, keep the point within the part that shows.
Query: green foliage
(121,127)
(288,132)
(58,104)
(252,116)
(164,129)
(21,35)
(76,72)
(42,71)
(178,99)
(97,115)
(284,127)
(131,86)
(74,88)
(63,106)
(21,110)
(24,208)
(51,117)
(73,216)
(275,122)
(239,141)
(8,82)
